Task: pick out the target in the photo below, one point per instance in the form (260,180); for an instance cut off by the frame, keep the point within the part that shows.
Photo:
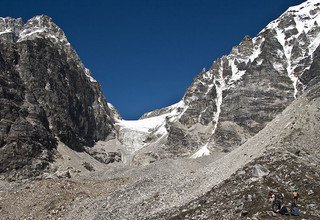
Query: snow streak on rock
(301,21)
(220,85)
(298,32)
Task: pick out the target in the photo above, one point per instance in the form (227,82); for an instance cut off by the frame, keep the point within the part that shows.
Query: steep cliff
(46,95)
(242,91)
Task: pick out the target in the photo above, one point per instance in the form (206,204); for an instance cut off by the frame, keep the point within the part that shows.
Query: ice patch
(133,133)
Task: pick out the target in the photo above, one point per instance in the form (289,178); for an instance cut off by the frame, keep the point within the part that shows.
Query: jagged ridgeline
(240,93)
(46,96)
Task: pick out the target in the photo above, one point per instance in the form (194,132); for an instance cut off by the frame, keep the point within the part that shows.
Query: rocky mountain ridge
(47,95)
(240,93)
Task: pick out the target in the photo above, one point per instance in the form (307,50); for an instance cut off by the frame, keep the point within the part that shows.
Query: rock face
(46,93)
(246,89)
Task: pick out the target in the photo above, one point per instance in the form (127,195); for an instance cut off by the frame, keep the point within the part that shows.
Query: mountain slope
(242,91)
(290,160)
(46,94)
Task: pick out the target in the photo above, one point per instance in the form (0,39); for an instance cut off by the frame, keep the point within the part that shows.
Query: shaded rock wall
(46,92)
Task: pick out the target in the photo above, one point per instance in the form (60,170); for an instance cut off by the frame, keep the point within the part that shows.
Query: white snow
(27,33)
(220,85)
(237,76)
(35,32)
(110,105)
(287,53)
(278,66)
(203,151)
(236,73)
(207,75)
(313,46)
(144,125)
(304,23)
(6,31)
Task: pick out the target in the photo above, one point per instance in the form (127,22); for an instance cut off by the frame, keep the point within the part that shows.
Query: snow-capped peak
(40,26)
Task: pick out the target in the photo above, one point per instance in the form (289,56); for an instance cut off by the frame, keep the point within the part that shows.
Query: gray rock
(45,93)
(310,192)
(63,174)
(271,214)
(312,206)
(259,171)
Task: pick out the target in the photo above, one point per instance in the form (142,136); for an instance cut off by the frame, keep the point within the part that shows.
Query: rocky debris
(104,157)
(310,192)
(145,158)
(88,166)
(63,174)
(259,171)
(161,189)
(229,200)
(46,93)
(205,188)
(51,198)
(271,213)
(298,125)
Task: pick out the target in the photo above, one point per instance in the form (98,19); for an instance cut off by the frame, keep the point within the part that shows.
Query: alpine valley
(248,125)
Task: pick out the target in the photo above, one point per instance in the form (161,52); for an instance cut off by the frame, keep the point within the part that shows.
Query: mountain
(47,96)
(248,125)
(239,95)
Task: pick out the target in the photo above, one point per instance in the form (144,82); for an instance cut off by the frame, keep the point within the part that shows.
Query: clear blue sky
(145,53)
